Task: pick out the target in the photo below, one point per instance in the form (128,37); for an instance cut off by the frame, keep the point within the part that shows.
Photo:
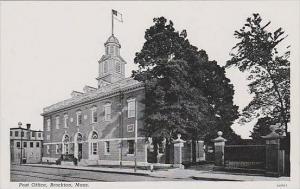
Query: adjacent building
(25,143)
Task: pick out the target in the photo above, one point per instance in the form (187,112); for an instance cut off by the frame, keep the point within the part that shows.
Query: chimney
(20,124)
(28,126)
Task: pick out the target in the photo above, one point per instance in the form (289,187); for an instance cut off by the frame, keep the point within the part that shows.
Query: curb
(92,170)
(213,179)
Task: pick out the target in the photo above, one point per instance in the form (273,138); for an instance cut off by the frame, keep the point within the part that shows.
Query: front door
(93,154)
(79,151)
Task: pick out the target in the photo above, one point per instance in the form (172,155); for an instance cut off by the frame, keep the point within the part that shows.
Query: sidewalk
(214,175)
(174,173)
(96,169)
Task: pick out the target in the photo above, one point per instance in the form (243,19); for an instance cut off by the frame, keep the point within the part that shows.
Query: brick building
(26,143)
(97,125)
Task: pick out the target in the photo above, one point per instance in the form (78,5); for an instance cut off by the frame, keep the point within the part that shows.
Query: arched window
(79,137)
(66,138)
(94,135)
(105,69)
(94,144)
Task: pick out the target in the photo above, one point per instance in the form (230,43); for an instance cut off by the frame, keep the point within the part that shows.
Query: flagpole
(112,23)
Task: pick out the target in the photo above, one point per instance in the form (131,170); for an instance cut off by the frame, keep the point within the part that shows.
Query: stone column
(273,166)
(178,144)
(219,143)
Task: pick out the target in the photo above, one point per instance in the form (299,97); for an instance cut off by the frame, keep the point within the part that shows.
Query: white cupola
(111,64)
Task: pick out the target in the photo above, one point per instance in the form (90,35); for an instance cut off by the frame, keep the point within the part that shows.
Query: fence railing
(245,156)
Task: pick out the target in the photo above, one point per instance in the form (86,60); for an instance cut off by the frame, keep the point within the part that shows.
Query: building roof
(105,57)
(116,87)
(15,128)
(112,39)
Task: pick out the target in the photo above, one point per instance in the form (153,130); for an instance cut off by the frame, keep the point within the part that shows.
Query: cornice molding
(89,98)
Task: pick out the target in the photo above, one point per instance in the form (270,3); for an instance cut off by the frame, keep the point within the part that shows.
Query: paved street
(44,174)
(54,173)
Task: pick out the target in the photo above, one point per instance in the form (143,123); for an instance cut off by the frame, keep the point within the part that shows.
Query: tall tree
(210,78)
(269,71)
(185,92)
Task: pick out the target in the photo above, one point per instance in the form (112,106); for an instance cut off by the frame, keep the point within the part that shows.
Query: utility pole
(121,126)
(135,136)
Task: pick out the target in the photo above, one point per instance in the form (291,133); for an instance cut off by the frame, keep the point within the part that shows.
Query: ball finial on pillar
(219,133)
(178,136)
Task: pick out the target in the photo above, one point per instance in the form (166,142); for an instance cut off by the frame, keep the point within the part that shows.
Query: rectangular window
(10,133)
(32,134)
(22,133)
(161,149)
(66,117)
(48,124)
(31,144)
(79,118)
(57,122)
(16,133)
(48,149)
(18,144)
(94,115)
(39,135)
(111,50)
(106,50)
(37,144)
(25,144)
(57,148)
(107,147)
(94,147)
(130,128)
(117,52)
(107,112)
(131,108)
(130,146)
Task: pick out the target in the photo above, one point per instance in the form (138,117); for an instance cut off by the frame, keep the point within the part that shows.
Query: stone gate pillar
(274,165)
(219,143)
(178,145)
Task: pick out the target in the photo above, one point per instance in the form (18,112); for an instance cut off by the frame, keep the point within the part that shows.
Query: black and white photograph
(149,94)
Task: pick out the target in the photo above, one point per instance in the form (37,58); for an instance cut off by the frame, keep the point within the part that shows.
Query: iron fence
(245,156)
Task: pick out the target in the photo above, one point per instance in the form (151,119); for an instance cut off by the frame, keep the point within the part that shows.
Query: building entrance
(78,146)
(79,151)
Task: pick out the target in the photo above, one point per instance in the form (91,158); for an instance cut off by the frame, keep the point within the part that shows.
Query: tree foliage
(269,71)
(262,128)
(185,92)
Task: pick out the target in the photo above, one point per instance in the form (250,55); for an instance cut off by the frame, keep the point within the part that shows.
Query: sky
(49,49)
